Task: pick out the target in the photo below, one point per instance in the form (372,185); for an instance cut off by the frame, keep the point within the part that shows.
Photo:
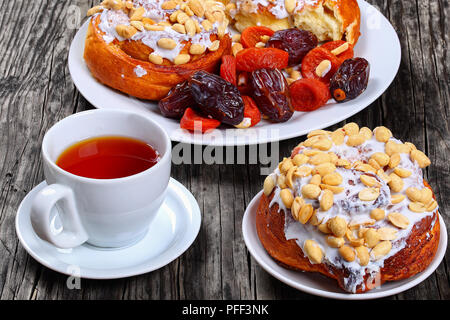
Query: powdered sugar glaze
(110,18)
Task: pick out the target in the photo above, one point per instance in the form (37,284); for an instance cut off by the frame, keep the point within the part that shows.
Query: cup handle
(73,233)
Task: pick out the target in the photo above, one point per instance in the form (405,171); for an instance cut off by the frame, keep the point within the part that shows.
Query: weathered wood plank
(36,91)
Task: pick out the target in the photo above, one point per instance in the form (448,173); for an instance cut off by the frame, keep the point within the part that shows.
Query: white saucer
(320,285)
(172,232)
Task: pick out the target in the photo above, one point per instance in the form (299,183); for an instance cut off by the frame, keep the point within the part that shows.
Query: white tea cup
(108,213)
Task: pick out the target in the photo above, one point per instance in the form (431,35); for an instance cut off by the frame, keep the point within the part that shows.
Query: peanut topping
(125,31)
(287,197)
(316,179)
(326,202)
(355,140)
(363,255)
(182,59)
(343,47)
(154,58)
(290,5)
(196,7)
(197,49)
(311,191)
(94,10)
(369,194)
(236,48)
(166,43)
(371,238)
(397,198)
(382,134)
(398,220)
(351,129)
(368,180)
(381,157)
(333,179)
(335,242)
(169,5)
(269,185)
(421,159)
(323,68)
(137,14)
(338,226)
(377,214)
(387,233)
(381,249)
(347,253)
(313,251)
(214,46)
(300,159)
(324,169)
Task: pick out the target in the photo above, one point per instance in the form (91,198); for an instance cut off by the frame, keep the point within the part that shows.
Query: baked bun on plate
(351,204)
(327,19)
(144,48)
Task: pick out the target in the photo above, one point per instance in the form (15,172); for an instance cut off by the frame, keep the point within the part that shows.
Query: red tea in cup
(108,157)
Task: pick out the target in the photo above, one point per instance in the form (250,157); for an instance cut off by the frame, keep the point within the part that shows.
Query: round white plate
(317,284)
(171,233)
(378,44)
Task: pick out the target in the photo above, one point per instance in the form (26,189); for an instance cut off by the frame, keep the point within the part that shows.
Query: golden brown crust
(415,257)
(351,18)
(112,66)
(346,10)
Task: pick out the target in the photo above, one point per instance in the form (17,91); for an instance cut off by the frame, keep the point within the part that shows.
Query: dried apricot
(331,45)
(252,59)
(309,94)
(313,59)
(251,110)
(193,122)
(228,69)
(252,35)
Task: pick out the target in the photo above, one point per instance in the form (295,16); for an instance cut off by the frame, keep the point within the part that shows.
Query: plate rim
(431,268)
(122,272)
(224,142)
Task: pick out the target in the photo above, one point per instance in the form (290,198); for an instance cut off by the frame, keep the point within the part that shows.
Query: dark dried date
(350,80)
(217,98)
(294,41)
(271,94)
(177,101)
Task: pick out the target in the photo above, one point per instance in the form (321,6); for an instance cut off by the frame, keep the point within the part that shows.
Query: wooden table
(36,91)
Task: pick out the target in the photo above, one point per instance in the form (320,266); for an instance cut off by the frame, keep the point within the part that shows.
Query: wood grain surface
(36,91)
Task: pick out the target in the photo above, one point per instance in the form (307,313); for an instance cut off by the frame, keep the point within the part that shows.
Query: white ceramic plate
(171,233)
(378,44)
(317,284)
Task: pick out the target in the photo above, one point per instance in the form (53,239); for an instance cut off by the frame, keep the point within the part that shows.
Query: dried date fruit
(350,80)
(294,41)
(177,101)
(217,98)
(252,59)
(271,94)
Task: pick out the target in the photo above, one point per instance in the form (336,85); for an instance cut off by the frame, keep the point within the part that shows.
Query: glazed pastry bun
(145,47)
(351,204)
(327,19)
